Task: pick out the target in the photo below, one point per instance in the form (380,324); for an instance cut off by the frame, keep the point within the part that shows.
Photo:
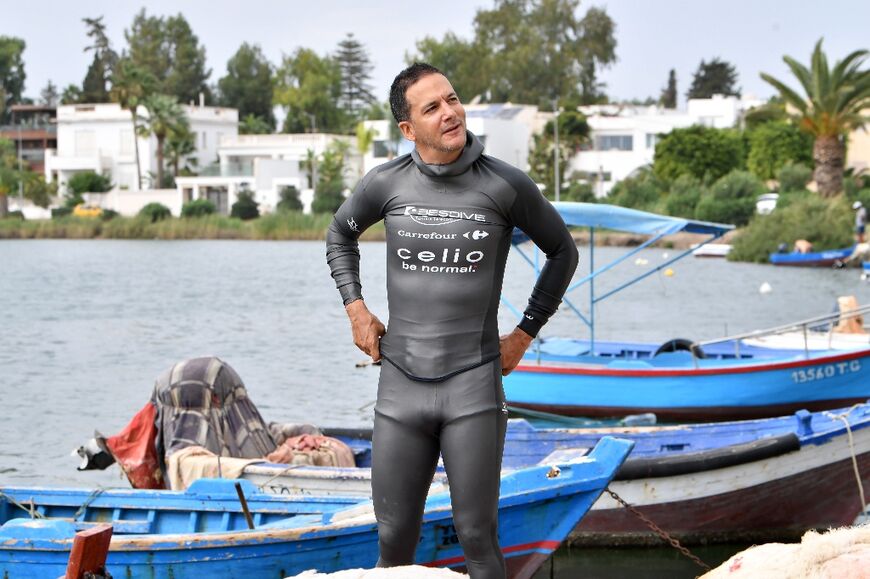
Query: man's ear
(408,131)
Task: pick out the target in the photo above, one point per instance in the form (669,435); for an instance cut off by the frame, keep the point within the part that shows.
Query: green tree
(12,75)
(130,86)
(714,77)
(830,109)
(289,199)
(86,182)
(329,193)
(171,53)
(771,111)
(573,132)
(530,52)
(246,208)
(308,87)
(247,86)
(10,176)
(731,199)
(682,199)
(773,145)
(793,177)
(702,152)
(95,85)
(180,145)
(155,212)
(643,190)
(356,69)
(71,94)
(165,117)
(49,96)
(37,190)
(668,98)
(254,125)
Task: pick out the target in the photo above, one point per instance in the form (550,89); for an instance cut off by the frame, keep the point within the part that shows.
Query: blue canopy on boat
(617,218)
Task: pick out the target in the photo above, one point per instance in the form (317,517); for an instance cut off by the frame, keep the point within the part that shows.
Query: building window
(651,140)
(204,140)
(614,142)
(86,143)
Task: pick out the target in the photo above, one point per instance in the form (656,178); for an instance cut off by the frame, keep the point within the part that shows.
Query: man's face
(437,119)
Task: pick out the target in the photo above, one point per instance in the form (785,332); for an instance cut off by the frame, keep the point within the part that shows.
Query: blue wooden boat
(812,259)
(202,532)
(676,380)
(725,481)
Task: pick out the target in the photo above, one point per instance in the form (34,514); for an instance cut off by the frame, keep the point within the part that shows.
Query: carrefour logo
(475,235)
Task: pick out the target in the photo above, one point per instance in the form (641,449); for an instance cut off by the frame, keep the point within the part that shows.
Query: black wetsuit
(448,230)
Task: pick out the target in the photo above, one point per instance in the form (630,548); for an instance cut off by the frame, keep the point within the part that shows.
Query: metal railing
(806,327)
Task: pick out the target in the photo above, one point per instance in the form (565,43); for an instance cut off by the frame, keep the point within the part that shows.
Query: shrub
(15,215)
(582,192)
(246,208)
(642,191)
(289,199)
(827,223)
(773,145)
(683,197)
(155,212)
(702,152)
(198,208)
(58,212)
(108,214)
(793,177)
(89,182)
(731,199)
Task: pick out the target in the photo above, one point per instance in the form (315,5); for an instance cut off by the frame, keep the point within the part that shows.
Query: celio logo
(440,216)
(443,261)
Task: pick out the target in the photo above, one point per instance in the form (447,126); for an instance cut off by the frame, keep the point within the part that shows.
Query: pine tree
(669,94)
(714,77)
(356,70)
(49,96)
(95,85)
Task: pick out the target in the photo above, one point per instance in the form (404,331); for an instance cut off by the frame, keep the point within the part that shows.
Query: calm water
(86,326)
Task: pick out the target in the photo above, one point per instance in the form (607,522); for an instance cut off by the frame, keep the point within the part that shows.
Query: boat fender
(681,345)
(707,460)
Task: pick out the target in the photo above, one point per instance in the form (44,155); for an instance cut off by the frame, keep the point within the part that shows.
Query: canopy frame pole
(592,275)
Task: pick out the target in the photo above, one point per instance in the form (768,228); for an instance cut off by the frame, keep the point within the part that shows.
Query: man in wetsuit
(448,212)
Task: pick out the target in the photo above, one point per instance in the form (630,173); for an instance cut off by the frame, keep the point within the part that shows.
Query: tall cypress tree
(668,99)
(95,86)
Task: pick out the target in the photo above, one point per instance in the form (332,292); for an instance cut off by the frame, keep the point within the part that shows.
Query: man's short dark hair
(398,102)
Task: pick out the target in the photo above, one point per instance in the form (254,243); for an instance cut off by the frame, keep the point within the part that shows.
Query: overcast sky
(652,36)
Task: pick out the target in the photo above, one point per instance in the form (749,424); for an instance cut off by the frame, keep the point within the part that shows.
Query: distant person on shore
(803,246)
(860,221)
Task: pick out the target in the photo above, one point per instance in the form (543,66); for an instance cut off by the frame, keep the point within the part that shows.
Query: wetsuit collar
(472,151)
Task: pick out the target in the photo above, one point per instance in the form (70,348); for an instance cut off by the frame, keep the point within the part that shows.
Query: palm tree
(165,116)
(180,144)
(830,111)
(130,86)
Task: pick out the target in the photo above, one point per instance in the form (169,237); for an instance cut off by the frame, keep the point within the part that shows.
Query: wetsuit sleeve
(359,212)
(538,219)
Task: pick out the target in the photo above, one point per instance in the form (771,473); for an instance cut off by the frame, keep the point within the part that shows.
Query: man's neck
(435,157)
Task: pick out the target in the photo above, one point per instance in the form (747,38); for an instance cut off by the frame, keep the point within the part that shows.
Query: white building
(263,165)
(504,129)
(623,138)
(99,137)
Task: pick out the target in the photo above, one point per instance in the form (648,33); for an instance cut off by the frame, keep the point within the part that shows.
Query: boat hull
(538,507)
(774,499)
(815,259)
(735,391)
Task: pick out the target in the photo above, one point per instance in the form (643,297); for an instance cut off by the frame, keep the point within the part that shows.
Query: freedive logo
(434,217)
(475,235)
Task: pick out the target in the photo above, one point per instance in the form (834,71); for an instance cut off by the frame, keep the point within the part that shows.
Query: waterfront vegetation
(274,226)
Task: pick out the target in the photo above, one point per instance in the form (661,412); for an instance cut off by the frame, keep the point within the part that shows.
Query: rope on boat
(91,497)
(843,417)
(30,510)
(262,487)
(658,530)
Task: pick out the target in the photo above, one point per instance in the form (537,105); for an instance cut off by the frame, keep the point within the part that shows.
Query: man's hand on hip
(366,327)
(512,347)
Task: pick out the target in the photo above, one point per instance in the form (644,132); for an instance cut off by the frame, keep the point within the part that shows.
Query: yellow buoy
(669,272)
